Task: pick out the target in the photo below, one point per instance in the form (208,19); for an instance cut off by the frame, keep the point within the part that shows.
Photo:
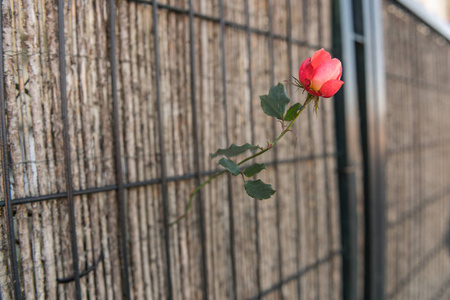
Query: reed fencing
(417,157)
(109,112)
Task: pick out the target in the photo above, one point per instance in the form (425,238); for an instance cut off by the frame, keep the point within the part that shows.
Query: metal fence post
(160,118)
(118,154)
(14,269)
(66,137)
(347,121)
(375,150)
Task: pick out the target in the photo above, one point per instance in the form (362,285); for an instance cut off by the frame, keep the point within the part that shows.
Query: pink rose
(320,75)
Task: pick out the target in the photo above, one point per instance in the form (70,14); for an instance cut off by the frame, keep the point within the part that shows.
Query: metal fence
(418,164)
(403,251)
(104,135)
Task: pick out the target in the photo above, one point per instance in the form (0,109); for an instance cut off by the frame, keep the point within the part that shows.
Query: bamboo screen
(160,107)
(418,164)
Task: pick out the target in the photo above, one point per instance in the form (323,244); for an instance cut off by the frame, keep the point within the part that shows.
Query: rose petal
(330,88)
(331,69)
(311,91)
(319,57)
(305,72)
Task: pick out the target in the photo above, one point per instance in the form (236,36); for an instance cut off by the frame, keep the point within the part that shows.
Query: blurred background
(110,109)
(437,8)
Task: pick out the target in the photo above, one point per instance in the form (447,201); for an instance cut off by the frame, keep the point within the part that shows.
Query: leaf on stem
(258,189)
(292,112)
(234,150)
(230,166)
(254,169)
(275,103)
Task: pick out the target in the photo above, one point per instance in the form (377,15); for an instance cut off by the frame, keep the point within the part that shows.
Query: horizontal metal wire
(151,181)
(288,279)
(232,24)
(423,146)
(414,271)
(438,88)
(84,253)
(441,290)
(359,38)
(162,180)
(298,274)
(83,273)
(419,207)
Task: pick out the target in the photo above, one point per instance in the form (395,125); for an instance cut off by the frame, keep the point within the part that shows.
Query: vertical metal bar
(161,150)
(327,185)
(5,169)
(196,150)
(440,63)
(310,134)
(1,287)
(396,269)
(296,175)
(118,153)
(328,207)
(66,137)
(230,188)
(271,53)
(315,182)
(362,101)
(252,122)
(416,154)
(416,139)
(275,152)
(376,156)
(346,123)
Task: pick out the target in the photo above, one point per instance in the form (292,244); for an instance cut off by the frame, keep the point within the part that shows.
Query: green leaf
(234,150)
(230,166)
(292,112)
(258,189)
(275,103)
(254,169)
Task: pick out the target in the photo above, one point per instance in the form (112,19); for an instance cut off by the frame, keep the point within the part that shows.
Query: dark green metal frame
(360,113)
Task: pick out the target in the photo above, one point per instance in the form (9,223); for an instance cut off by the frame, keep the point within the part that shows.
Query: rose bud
(320,75)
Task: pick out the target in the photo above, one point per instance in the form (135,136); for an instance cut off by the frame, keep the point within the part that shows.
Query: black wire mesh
(418,211)
(116,165)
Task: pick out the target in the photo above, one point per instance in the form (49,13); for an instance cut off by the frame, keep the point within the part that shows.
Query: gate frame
(359,43)
(374,152)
